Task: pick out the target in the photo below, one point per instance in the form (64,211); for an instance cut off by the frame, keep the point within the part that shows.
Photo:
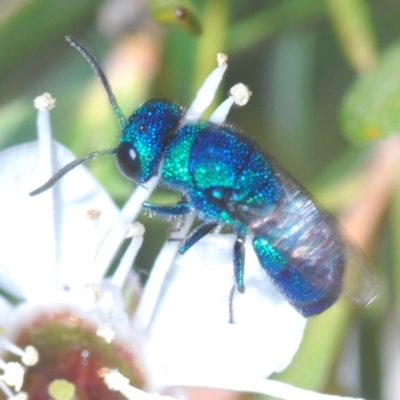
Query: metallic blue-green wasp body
(228,180)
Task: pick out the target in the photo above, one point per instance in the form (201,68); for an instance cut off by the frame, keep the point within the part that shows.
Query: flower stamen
(29,355)
(116,381)
(108,308)
(106,332)
(93,213)
(10,394)
(239,94)
(92,292)
(13,374)
(135,230)
(205,95)
(44,102)
(61,389)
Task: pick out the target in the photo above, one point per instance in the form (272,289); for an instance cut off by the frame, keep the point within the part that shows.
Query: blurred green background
(325,77)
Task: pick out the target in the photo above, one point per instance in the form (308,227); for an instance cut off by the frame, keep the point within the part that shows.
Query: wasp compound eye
(128,161)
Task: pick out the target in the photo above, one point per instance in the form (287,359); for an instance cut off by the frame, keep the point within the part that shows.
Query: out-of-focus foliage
(304,60)
(371,108)
(177,12)
(352,22)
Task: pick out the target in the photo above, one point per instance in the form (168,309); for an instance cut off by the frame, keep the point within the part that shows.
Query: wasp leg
(231,296)
(196,235)
(172,210)
(238,261)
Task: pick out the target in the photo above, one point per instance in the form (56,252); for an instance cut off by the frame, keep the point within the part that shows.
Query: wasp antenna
(100,74)
(63,171)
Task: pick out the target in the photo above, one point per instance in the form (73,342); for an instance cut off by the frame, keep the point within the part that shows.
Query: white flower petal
(5,309)
(27,265)
(268,387)
(190,333)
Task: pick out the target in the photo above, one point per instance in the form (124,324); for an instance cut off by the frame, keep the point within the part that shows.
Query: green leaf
(371,108)
(180,13)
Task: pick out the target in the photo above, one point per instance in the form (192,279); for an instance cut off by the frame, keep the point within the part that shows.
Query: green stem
(395,226)
(212,41)
(266,23)
(352,22)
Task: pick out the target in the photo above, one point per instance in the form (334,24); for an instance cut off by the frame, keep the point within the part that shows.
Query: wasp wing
(303,250)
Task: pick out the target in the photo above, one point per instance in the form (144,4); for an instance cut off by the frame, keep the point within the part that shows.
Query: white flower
(52,252)
(52,249)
